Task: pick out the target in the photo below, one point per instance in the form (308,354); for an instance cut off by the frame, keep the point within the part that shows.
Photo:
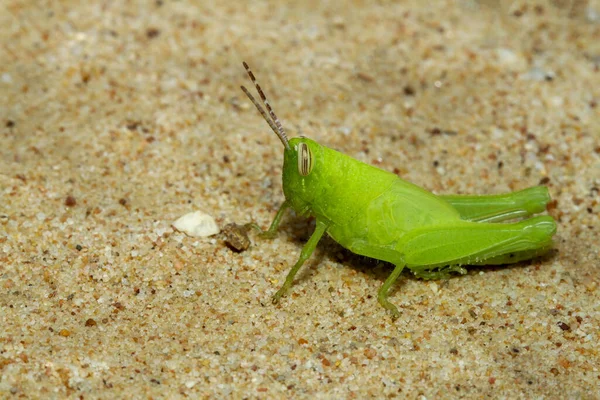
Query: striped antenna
(273,121)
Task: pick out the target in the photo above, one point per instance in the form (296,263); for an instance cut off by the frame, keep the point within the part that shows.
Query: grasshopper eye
(305,161)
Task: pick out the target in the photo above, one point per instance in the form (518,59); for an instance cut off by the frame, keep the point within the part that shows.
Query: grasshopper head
(302,180)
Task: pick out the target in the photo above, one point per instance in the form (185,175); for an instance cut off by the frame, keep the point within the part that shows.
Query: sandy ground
(115,120)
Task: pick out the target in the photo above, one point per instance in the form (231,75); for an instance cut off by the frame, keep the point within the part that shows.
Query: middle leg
(385,254)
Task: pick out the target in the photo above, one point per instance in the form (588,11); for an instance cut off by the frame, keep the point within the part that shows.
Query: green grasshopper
(374,213)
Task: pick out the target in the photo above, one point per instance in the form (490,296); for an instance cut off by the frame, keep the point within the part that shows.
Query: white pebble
(538,74)
(197,224)
(497,133)
(556,101)
(592,14)
(345,130)
(434,287)
(190,384)
(507,56)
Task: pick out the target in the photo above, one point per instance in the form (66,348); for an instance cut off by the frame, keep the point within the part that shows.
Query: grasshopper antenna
(271,118)
(266,118)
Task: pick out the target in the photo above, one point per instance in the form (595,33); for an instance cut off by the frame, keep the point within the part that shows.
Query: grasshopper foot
(280,293)
(266,235)
(385,303)
(254,225)
(276,298)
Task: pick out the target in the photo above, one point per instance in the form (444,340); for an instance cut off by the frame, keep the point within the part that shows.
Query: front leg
(270,233)
(306,252)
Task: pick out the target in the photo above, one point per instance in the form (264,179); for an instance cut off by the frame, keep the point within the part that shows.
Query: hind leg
(449,247)
(476,243)
(497,208)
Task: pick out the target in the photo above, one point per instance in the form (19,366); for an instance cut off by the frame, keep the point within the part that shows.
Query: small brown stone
(370,353)
(564,326)
(70,201)
(151,33)
(90,322)
(236,237)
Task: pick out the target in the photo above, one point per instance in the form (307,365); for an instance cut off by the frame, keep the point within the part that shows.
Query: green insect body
(374,213)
